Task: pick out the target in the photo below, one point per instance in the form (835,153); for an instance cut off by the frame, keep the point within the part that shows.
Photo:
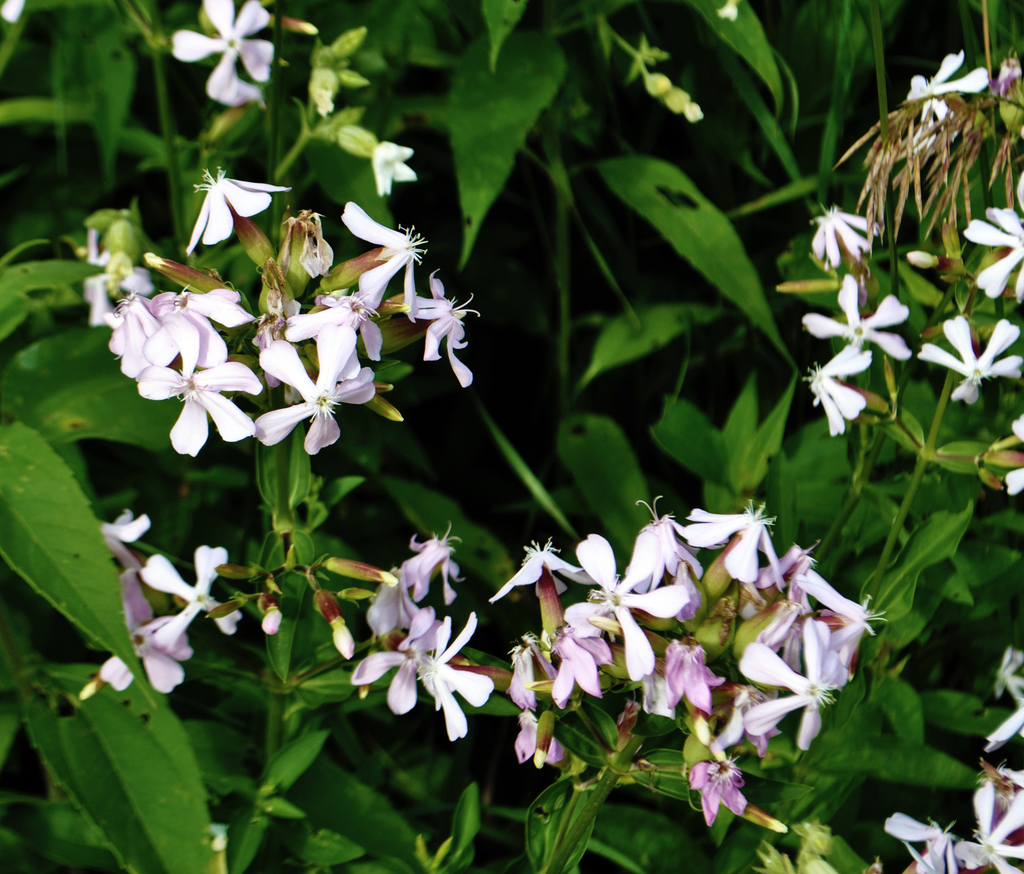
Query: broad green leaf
(571,733)
(465,826)
(606,471)
(110,67)
(932,541)
(651,839)
(323,847)
(279,646)
(69,387)
(746,38)
(50,537)
(338,801)
(245,835)
(550,815)
(752,449)
(130,767)
(960,456)
(686,434)
(432,513)
(291,761)
(893,760)
(902,707)
(666,774)
(501,16)
(621,341)
(762,792)
(63,835)
(33,275)
(35,110)
(961,712)
(491,113)
(13,311)
(345,177)
(663,195)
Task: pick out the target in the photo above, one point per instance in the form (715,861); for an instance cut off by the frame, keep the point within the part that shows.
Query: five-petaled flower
(215,221)
(975,369)
(839,400)
(836,227)
(858,331)
(400,249)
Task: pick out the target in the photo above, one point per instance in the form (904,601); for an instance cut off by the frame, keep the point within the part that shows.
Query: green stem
(284,515)
(276,90)
(578,828)
(292,156)
(167,127)
(927,454)
(10,42)
(275,720)
(879,49)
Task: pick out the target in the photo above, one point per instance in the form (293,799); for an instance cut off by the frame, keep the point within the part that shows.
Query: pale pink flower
(215,222)
(719,783)
(391,607)
(400,249)
(841,402)
(658,551)
(431,554)
(687,674)
(389,166)
(858,331)
(1009,235)
(975,369)
(526,741)
(715,529)
(939,856)
(446,321)
(354,310)
(185,319)
(835,227)
(524,661)
(580,657)
(537,558)
(160,574)
(125,529)
(133,323)
(990,847)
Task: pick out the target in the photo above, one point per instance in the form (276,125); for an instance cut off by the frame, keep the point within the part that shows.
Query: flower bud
(354,593)
(327,606)
(91,688)
(296,25)
(657,84)
(890,382)
(323,85)
(679,102)
(808,286)
(272,621)
(351,79)
(399,333)
(716,631)
(951,240)
(769,626)
(123,237)
(545,734)
(875,404)
(347,273)
(761,818)
(716,578)
(359,570)
(384,408)
(990,479)
(226,609)
(253,240)
(1005,443)
(924,260)
(186,277)
(304,251)
(551,612)
(236,572)
(501,677)
(774,862)
(357,141)
(625,722)
(814,838)
(348,43)
(1007,459)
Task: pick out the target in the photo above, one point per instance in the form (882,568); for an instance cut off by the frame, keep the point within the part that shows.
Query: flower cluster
(203,344)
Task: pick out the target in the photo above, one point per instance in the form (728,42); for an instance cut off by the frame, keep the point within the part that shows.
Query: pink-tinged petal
(993,279)
(950,64)
(273,427)
(207,560)
(958,332)
(282,361)
(191,431)
(364,227)
(373,282)
(891,344)
(170,634)
(834,257)
(410,288)
(232,424)
(818,243)
(160,383)
(578,617)
(460,641)
(244,201)
(985,234)
(823,327)
(375,666)
(223,86)
(716,530)
(647,559)
(1013,725)
(462,373)
(222,15)
(230,376)
(528,574)
(432,342)
(763,666)
(229,624)
(849,361)
(187,45)
(334,346)
(762,718)
(810,725)
(163,671)
(454,718)
(526,741)
(1012,820)
(597,558)
(324,431)
(854,243)
(201,222)
(444,633)
(252,18)
(663,602)
(639,654)
(221,305)
(741,562)
(373,340)
(836,420)
(966,391)
(402,691)
(905,828)
(816,639)
(160,574)
(305,327)
(932,353)
(116,673)
(475,688)
(257,186)
(984,807)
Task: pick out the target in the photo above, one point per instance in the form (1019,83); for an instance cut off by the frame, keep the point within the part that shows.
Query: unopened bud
(360,570)
(875,403)
(716,631)
(1008,459)
(951,240)
(384,408)
(924,260)
(304,251)
(253,240)
(355,594)
(347,273)
(343,641)
(605,623)
(808,286)
(186,277)
(774,862)
(814,838)
(357,141)
(717,578)
(271,621)
(545,734)
(1005,443)
(296,25)
(679,102)
(351,79)
(501,677)
(551,613)
(625,722)
(326,605)
(990,479)
(657,84)
(236,572)
(222,610)
(769,626)
(348,43)
(399,333)
(122,237)
(91,688)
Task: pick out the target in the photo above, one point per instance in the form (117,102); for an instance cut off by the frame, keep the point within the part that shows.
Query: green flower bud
(357,141)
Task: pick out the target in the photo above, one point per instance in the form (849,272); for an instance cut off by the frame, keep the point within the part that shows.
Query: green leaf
(465,827)
(621,341)
(529,479)
(501,16)
(746,38)
(785,194)
(663,195)
(969,450)
(279,646)
(69,387)
(34,275)
(63,835)
(961,712)
(606,471)
(299,471)
(291,761)
(282,808)
(431,513)
(666,774)
(245,835)
(345,177)
(651,839)
(45,110)
(548,817)
(902,707)
(323,847)
(572,734)
(932,541)
(893,760)
(754,453)
(762,792)
(686,434)
(130,766)
(50,537)
(491,114)
(110,67)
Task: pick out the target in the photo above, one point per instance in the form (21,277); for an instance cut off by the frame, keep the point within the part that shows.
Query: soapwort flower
(714,529)
(526,741)
(580,656)
(126,529)
(836,227)
(1008,235)
(442,680)
(975,369)
(939,856)
(446,321)
(824,672)
(160,574)
(224,85)
(657,551)
(215,222)
(354,310)
(431,555)
(389,166)
(616,598)
(994,827)
(841,402)
(400,249)
(98,289)
(524,660)
(931,89)
(719,783)
(858,331)
(185,325)
(687,674)
(133,323)
(340,381)
(537,558)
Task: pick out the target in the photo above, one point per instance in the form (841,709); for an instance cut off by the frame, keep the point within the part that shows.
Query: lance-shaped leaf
(50,537)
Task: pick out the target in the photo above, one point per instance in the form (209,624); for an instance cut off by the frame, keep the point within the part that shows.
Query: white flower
(1006,676)
(401,249)
(442,680)
(958,332)
(186,328)
(127,529)
(256,54)
(389,166)
(989,848)
(657,551)
(835,227)
(215,222)
(992,280)
(920,88)
(97,289)
(537,558)
(714,529)
(160,574)
(729,11)
(859,331)
(840,401)
(939,856)
(11,10)
(340,381)
(201,393)
(133,324)
(353,310)
(446,321)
